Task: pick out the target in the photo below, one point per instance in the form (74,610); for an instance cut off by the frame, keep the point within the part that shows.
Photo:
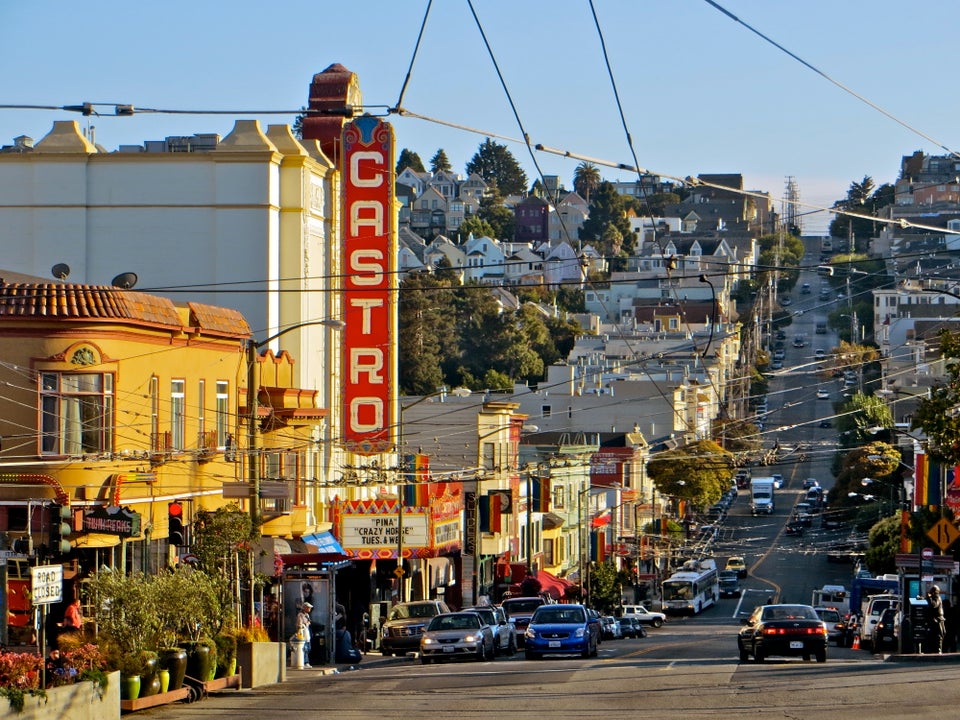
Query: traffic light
(177,531)
(61,528)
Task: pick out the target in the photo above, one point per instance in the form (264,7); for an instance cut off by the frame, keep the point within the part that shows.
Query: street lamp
(253,422)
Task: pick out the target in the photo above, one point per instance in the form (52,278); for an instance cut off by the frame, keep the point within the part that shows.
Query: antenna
(60,271)
(125,280)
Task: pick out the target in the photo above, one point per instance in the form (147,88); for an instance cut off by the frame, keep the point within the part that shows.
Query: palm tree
(586,179)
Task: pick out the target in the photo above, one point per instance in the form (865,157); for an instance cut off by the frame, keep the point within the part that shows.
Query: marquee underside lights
(370,279)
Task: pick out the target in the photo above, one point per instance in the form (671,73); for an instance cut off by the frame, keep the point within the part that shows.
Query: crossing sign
(944,534)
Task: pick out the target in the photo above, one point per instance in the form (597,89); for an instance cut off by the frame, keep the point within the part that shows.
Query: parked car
(647,617)
(456,635)
(561,629)
(823,394)
(729,583)
(519,610)
(738,565)
(632,628)
(405,624)
(784,630)
(504,631)
(610,628)
(777,480)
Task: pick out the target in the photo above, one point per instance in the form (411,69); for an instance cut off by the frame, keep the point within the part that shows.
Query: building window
(76,413)
(154,411)
(223,412)
(545,410)
(548,552)
(178,416)
(559,497)
(201,412)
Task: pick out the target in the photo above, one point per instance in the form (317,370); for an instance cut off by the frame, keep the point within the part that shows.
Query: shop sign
(112,520)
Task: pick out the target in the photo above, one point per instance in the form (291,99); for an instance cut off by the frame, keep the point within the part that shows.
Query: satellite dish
(60,271)
(125,280)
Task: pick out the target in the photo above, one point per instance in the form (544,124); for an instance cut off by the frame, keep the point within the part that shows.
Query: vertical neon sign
(369,284)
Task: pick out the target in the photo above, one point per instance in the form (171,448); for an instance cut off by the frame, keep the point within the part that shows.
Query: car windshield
(402,612)
(559,615)
(789,612)
(462,621)
(487,614)
(511,607)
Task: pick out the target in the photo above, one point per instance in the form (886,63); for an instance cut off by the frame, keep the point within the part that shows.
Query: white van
(873,608)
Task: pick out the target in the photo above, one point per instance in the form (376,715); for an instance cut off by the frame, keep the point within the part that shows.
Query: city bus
(692,588)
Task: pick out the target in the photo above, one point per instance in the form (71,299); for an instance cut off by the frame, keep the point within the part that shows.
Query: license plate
(449,648)
(796,644)
(554,643)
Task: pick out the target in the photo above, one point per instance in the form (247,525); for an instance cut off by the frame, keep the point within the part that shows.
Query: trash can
(296,653)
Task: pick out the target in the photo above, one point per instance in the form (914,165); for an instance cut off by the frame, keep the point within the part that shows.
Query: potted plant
(226,654)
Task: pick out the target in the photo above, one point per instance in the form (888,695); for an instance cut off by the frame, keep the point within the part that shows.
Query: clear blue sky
(701,93)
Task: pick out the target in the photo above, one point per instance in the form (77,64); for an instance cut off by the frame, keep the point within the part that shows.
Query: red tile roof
(219,319)
(70,301)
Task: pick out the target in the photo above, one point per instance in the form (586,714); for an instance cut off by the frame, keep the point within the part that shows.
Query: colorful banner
(541,495)
(369,284)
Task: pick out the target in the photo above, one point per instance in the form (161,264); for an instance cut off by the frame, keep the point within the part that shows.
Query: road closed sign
(47,584)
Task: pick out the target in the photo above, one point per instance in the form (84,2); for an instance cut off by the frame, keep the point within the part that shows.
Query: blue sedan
(561,629)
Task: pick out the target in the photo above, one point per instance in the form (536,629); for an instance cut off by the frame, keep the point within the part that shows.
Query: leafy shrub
(20,676)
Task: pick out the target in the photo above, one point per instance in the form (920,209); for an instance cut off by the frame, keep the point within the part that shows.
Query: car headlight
(470,638)
(579,633)
(427,641)
(530,633)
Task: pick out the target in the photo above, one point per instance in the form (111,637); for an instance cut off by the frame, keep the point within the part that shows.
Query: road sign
(944,534)
(398,572)
(47,584)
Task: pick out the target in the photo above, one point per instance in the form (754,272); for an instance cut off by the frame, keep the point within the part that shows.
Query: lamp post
(253,422)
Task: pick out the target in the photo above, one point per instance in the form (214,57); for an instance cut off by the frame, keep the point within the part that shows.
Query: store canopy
(557,587)
(323,542)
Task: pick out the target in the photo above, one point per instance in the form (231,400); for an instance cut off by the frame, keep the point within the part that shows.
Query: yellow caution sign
(944,534)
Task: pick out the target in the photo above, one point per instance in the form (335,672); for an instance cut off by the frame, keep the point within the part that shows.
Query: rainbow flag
(928,480)
(416,490)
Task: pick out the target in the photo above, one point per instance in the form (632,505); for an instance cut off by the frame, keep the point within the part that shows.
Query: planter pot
(129,687)
(164,677)
(149,682)
(79,701)
(198,661)
(262,663)
(175,661)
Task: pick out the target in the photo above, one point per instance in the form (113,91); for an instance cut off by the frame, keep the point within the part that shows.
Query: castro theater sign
(369,284)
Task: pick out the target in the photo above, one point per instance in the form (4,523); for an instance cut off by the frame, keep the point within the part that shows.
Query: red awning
(557,587)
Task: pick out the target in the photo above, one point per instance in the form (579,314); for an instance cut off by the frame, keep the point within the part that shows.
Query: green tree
(439,162)
(937,414)
(495,163)
(409,159)
(884,539)
(863,198)
(586,179)
(606,215)
(606,587)
(474,225)
(698,472)
(497,215)
(426,332)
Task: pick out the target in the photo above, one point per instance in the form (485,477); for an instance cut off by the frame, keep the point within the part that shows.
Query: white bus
(692,588)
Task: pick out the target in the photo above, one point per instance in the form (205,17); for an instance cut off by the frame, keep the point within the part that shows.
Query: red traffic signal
(177,533)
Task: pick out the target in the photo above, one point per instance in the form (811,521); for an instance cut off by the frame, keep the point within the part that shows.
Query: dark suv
(519,610)
(405,624)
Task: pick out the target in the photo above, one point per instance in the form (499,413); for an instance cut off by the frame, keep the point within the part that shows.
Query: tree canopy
(409,159)
(439,162)
(937,414)
(699,472)
(607,227)
(496,164)
(586,179)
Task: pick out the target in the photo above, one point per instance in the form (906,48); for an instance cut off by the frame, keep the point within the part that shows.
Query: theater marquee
(369,284)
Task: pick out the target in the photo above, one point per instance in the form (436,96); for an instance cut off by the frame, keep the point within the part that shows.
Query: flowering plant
(20,676)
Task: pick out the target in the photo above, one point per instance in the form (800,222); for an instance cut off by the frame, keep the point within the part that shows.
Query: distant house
(531,220)
(440,249)
(562,266)
(429,214)
(485,260)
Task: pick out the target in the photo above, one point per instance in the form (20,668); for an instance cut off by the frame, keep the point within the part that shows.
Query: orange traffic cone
(856,642)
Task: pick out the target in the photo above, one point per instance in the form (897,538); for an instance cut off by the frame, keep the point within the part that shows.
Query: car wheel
(530,655)
(512,647)
(425,660)
(822,655)
(806,658)
(758,655)
(385,653)
(657,622)
(744,655)
(482,652)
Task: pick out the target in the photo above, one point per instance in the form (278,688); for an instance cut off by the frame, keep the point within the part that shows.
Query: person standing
(303,629)
(936,618)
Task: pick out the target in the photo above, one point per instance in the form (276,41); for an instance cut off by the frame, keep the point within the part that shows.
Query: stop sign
(926,553)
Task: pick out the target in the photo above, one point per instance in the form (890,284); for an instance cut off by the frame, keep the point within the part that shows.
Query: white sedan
(823,394)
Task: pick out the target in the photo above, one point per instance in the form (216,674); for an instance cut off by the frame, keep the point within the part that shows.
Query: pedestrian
(935,618)
(303,630)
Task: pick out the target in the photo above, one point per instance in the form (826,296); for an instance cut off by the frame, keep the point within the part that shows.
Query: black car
(729,584)
(632,628)
(884,632)
(785,630)
(794,527)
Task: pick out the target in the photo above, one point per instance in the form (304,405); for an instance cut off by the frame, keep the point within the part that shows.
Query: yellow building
(118,403)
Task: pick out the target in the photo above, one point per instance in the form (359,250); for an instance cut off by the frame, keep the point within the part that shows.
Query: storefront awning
(557,587)
(95,540)
(323,542)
